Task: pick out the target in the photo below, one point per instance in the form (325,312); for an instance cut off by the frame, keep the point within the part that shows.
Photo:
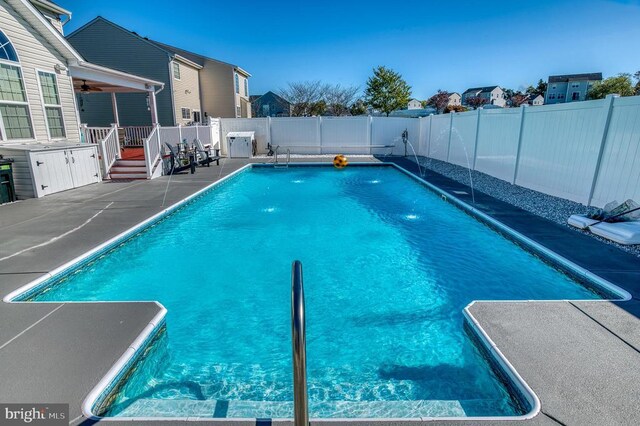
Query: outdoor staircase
(128,169)
(130,165)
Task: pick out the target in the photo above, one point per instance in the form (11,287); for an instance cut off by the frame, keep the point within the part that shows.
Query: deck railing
(96,134)
(135,135)
(152,151)
(109,150)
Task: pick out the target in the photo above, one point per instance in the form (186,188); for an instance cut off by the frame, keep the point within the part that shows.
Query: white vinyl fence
(587,152)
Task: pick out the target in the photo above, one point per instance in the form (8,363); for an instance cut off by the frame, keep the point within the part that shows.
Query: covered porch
(116,142)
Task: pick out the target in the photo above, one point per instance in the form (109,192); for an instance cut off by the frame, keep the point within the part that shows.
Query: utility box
(7,189)
(240,144)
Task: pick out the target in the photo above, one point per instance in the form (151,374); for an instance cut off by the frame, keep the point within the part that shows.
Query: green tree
(637,77)
(358,108)
(540,89)
(386,90)
(620,84)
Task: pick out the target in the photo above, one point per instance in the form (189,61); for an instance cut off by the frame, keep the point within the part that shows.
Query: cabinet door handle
(66,160)
(93,156)
(44,186)
(73,159)
(39,162)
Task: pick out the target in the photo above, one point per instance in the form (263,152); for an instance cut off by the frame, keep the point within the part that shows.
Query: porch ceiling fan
(86,88)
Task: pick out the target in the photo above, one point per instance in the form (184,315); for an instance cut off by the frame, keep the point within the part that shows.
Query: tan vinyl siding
(21,172)
(218,89)
(36,54)
(186,92)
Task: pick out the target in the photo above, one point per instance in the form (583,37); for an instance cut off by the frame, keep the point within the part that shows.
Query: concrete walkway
(581,358)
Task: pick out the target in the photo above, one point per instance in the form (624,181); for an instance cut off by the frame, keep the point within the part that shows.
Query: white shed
(40,170)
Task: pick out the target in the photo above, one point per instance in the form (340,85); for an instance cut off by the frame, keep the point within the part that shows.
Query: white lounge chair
(626,233)
(580,221)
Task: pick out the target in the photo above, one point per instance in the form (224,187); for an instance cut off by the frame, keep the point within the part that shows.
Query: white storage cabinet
(240,144)
(51,169)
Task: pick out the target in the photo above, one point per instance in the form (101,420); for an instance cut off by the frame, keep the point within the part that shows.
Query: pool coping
(154,326)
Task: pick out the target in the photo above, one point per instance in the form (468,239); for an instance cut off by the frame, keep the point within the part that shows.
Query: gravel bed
(553,208)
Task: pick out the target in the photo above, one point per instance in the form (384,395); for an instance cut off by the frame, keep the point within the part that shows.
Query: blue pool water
(388,269)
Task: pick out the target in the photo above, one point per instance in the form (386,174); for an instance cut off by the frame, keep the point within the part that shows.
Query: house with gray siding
(195,86)
(570,87)
(270,105)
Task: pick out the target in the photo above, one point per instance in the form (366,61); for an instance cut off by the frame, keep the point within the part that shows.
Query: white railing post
(114,126)
(197,136)
(180,133)
(606,111)
(475,145)
(83,132)
(523,108)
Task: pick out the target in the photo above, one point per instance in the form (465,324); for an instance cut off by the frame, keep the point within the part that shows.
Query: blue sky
(433,44)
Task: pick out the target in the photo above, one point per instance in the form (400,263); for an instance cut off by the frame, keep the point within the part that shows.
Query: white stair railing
(152,151)
(109,150)
(96,134)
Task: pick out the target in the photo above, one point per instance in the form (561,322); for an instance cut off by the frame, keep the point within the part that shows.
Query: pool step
(284,409)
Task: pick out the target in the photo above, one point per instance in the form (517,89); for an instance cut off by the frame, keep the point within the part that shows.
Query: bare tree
(518,99)
(339,99)
(305,97)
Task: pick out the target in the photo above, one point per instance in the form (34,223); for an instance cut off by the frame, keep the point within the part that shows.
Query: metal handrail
(276,154)
(300,397)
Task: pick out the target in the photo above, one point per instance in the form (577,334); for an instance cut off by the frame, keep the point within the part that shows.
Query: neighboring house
(224,87)
(535,99)
(455,99)
(270,105)
(39,121)
(414,104)
(494,95)
(570,88)
(195,86)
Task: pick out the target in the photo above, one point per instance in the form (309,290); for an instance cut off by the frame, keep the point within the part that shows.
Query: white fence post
(319,136)
(429,134)
(523,108)
(197,136)
(179,133)
(370,133)
(450,132)
(475,144)
(607,110)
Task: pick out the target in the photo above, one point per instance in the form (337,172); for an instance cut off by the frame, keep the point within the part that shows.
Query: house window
(52,107)
(246,87)
(266,110)
(7,52)
(14,108)
(176,71)
(575,96)
(196,116)
(238,111)
(186,113)
(237,84)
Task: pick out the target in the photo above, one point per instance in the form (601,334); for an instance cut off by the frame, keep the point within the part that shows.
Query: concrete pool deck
(580,358)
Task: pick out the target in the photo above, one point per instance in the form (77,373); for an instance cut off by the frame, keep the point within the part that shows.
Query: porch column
(153,107)
(114,107)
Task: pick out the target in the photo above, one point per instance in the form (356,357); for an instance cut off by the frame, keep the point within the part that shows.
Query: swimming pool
(388,265)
